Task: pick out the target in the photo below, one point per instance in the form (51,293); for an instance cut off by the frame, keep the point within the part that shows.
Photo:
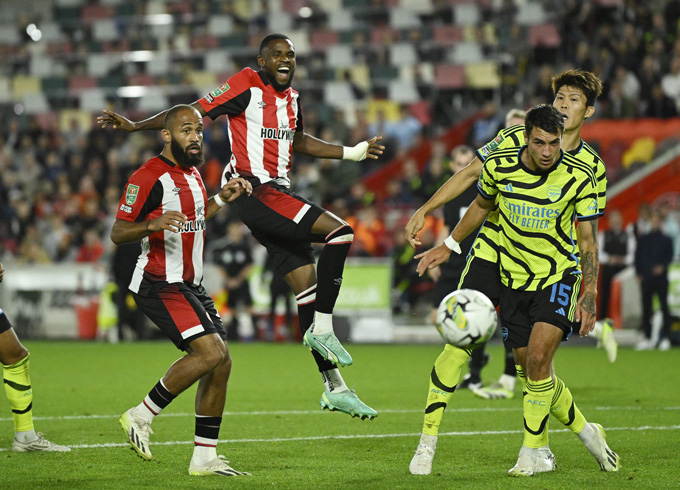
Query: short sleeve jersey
(486,246)
(536,214)
(156,187)
(262,125)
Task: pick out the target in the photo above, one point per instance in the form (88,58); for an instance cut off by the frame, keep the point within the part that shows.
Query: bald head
(178,114)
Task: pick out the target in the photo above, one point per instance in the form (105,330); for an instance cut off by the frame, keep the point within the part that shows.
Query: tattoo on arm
(590,260)
(588,303)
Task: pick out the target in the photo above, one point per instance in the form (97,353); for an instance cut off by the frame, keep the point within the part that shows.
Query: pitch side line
(323,412)
(358,436)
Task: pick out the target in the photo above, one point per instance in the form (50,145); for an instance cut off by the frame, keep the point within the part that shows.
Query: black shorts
(182,311)
(556,305)
(4,322)
(484,276)
(240,296)
(282,222)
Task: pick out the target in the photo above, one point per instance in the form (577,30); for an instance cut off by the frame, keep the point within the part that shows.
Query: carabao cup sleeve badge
(131,194)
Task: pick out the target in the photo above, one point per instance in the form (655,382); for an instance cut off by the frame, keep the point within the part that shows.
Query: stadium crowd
(60,182)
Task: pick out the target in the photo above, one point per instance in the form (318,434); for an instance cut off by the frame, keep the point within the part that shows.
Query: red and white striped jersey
(156,187)
(262,124)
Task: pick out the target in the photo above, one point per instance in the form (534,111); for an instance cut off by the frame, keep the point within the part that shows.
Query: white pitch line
(357,436)
(323,412)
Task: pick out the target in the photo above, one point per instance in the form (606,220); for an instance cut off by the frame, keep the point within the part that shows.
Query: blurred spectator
(92,248)
(407,130)
(278,290)
(486,127)
(658,104)
(617,247)
(653,255)
(670,224)
(436,171)
(233,255)
(670,82)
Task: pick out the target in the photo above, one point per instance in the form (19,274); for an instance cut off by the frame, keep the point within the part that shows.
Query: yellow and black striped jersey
(486,247)
(536,215)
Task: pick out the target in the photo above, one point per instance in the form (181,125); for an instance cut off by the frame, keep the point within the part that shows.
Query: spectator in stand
(617,248)
(92,248)
(658,104)
(670,82)
(436,172)
(486,127)
(653,255)
(407,130)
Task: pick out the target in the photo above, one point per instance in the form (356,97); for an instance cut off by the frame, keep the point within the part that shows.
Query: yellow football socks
(19,393)
(537,402)
(443,381)
(564,409)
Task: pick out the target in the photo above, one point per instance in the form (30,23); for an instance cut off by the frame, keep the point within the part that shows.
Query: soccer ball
(466,318)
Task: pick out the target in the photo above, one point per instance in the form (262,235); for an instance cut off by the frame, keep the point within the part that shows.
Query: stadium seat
(403,53)
(219,25)
(105,30)
(447,35)
(531,13)
(100,64)
(449,77)
(91,100)
(545,35)
(153,102)
(36,104)
(53,86)
(159,64)
(23,85)
(214,59)
(78,83)
(279,22)
(466,14)
(465,52)
(402,91)
(482,75)
(340,55)
(341,21)
(338,93)
(417,6)
(403,18)
(44,66)
(203,81)
(323,39)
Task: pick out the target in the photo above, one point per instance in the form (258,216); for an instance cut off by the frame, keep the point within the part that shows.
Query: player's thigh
(483,276)
(11,349)
(182,313)
(274,211)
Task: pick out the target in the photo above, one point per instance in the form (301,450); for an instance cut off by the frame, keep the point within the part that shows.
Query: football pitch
(273,426)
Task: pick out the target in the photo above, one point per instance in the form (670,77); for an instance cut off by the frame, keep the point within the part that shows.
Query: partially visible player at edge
(15,363)
(537,191)
(265,127)
(15,366)
(165,205)
(575,94)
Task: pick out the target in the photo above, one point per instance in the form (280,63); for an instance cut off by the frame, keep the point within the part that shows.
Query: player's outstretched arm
(309,145)
(586,310)
(229,192)
(473,218)
(130,231)
(117,121)
(451,189)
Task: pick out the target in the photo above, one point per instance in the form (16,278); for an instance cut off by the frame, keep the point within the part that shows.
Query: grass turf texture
(273,426)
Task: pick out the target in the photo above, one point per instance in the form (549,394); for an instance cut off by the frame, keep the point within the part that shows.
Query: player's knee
(340,236)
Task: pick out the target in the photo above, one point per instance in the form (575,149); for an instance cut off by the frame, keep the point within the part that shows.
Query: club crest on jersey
(554,193)
(131,194)
(262,104)
(220,90)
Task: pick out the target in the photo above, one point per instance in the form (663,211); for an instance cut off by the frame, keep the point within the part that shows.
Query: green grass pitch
(273,426)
